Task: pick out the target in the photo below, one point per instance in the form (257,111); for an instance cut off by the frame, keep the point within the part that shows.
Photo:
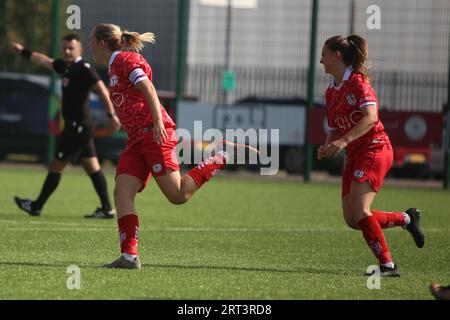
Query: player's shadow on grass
(192,267)
(49,265)
(251,269)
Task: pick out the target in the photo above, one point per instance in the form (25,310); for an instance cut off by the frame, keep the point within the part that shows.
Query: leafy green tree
(28,22)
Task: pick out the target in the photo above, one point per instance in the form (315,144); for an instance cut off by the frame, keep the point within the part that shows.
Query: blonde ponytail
(135,41)
(118,39)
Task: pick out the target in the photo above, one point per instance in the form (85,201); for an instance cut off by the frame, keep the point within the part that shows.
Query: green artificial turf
(236,239)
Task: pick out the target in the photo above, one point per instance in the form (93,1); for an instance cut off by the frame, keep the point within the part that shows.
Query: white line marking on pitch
(180,229)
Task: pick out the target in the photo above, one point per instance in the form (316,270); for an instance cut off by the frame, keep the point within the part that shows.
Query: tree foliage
(30,23)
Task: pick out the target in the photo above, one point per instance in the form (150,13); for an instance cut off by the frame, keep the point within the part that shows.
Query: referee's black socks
(99,182)
(50,184)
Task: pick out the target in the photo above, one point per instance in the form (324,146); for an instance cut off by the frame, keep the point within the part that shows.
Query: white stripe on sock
(407,218)
(129,257)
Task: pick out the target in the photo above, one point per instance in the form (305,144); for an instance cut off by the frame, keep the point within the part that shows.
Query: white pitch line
(67,224)
(73,226)
(181,229)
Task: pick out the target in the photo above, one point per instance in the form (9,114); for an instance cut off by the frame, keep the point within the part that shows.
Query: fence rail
(397,91)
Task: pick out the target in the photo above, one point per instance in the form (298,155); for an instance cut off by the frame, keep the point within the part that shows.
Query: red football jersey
(344,104)
(125,70)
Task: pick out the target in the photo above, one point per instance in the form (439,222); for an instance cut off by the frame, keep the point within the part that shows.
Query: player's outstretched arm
(37,58)
(102,91)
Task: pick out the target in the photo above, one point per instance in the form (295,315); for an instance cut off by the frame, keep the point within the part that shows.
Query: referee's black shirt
(77,80)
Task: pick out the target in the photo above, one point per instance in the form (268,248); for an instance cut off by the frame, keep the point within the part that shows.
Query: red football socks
(128,233)
(373,234)
(389,219)
(206,170)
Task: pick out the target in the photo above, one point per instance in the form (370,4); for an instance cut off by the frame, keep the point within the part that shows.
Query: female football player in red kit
(353,120)
(151,140)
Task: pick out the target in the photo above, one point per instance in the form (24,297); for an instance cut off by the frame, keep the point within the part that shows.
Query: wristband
(26,53)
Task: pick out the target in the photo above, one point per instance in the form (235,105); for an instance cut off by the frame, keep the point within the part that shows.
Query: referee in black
(77,78)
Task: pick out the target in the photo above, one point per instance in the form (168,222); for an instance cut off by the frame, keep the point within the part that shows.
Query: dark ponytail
(354,50)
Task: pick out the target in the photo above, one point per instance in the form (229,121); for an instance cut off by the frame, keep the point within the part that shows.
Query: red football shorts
(371,165)
(147,158)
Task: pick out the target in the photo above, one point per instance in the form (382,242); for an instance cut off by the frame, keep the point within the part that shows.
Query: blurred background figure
(78,78)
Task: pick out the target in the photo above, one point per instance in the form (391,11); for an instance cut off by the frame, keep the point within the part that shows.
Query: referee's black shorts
(76,140)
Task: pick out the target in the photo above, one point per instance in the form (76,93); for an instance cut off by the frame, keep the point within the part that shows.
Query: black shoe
(101,214)
(27,206)
(386,272)
(122,263)
(414,227)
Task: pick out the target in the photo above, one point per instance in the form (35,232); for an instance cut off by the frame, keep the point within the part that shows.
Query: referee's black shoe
(414,227)
(27,206)
(101,214)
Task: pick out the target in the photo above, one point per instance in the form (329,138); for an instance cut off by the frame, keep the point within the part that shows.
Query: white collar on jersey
(78,59)
(113,56)
(346,76)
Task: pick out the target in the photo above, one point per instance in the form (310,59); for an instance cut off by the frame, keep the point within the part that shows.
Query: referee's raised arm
(35,57)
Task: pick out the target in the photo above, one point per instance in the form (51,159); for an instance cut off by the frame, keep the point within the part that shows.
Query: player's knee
(56,167)
(350,221)
(178,199)
(351,216)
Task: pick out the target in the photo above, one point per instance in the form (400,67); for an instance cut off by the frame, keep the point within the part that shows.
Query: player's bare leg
(90,165)
(51,182)
(125,192)
(408,220)
(177,189)
(356,205)
(358,214)
(127,187)
(57,166)
(93,170)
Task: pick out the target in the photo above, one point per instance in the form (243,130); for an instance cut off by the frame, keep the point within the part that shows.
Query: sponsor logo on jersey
(114,81)
(348,121)
(351,100)
(358,174)
(157,167)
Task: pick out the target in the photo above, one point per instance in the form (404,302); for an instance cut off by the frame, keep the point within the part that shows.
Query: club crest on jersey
(118,99)
(351,99)
(358,174)
(65,81)
(114,80)
(157,167)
